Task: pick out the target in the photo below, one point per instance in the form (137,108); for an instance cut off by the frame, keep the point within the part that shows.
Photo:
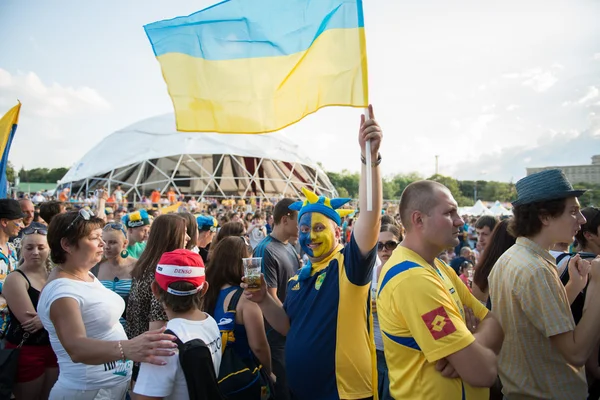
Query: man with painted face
(330,349)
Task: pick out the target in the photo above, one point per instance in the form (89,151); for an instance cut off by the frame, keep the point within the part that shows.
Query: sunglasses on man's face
(83,214)
(390,245)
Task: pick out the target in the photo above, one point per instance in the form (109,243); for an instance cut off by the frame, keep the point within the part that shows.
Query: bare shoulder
(15,278)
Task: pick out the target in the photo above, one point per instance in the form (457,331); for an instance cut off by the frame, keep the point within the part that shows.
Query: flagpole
(369,170)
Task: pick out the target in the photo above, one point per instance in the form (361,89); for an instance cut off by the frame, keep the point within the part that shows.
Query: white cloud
(48,100)
(563,148)
(597,57)
(540,82)
(511,107)
(538,79)
(487,108)
(480,125)
(455,124)
(591,94)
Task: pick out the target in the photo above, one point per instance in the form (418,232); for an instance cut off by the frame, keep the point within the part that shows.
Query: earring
(124,254)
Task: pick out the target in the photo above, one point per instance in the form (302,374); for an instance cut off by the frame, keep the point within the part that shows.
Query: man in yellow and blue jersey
(439,341)
(330,349)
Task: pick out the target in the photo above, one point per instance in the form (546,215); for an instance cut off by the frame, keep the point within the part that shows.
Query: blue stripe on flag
(235,29)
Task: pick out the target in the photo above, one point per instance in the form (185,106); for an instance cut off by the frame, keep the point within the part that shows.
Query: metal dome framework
(217,175)
(198,165)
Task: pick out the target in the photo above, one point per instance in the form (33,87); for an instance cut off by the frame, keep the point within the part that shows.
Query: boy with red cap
(180,286)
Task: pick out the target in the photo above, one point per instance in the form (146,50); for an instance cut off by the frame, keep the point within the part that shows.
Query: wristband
(373,163)
(121,351)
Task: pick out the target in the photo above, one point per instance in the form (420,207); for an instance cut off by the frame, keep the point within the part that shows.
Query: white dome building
(152,154)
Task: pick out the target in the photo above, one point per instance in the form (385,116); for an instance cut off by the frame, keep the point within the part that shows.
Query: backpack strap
(562,257)
(235,300)
(177,340)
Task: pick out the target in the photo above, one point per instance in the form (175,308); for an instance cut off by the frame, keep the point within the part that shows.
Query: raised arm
(367,226)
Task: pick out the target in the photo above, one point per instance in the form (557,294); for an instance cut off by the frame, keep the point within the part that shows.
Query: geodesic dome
(151,154)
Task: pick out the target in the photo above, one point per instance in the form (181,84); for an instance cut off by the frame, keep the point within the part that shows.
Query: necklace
(67,272)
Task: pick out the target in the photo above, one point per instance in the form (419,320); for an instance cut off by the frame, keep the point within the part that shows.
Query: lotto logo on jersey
(438,323)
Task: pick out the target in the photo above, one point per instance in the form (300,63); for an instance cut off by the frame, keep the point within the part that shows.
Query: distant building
(589,174)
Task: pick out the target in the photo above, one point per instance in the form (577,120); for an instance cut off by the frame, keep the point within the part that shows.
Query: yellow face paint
(317,237)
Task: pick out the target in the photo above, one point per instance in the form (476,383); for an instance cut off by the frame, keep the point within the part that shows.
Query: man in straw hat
(544,352)
(330,351)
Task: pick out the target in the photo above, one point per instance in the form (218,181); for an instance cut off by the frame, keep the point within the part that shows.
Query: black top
(15,332)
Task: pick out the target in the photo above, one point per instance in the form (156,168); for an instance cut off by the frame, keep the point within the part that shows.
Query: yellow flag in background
(8,127)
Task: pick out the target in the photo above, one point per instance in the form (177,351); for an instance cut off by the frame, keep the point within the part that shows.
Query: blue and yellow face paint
(317,238)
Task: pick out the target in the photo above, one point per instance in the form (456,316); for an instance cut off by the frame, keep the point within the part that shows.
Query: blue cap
(206,223)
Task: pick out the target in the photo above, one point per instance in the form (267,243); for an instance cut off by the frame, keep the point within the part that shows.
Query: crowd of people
(422,303)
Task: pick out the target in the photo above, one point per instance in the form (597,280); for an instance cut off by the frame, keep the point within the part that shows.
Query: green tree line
(346,183)
(465,192)
(38,175)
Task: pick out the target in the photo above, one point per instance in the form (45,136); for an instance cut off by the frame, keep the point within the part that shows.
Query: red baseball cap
(180,265)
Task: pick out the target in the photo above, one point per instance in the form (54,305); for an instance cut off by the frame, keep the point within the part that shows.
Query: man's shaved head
(419,196)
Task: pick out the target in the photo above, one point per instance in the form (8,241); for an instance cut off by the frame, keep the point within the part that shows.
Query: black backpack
(198,369)
(239,379)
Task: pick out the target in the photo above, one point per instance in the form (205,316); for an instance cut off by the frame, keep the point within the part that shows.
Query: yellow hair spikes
(344,212)
(310,196)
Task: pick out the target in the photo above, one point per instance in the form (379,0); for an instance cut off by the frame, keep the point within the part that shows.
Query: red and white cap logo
(180,266)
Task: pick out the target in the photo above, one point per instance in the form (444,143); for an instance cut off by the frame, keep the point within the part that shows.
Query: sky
(489,87)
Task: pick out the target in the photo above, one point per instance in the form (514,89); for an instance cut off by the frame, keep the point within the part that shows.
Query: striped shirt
(531,304)
(122,287)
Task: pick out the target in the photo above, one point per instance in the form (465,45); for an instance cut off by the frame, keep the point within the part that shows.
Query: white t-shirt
(256,236)
(168,380)
(100,312)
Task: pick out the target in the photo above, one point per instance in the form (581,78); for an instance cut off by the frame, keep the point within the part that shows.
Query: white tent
(499,210)
(151,154)
(479,209)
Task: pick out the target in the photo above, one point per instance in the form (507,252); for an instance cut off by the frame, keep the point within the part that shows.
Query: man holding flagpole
(326,314)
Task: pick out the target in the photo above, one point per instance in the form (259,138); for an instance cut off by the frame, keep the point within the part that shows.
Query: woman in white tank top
(82,317)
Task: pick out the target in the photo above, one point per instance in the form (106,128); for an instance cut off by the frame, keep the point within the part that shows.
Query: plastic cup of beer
(252,270)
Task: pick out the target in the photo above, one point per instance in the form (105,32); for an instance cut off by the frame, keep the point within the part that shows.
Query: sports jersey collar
(316,267)
(410,255)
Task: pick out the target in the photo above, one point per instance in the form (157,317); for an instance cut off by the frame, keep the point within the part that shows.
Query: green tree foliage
(10,172)
(42,175)
(346,180)
(465,192)
(591,197)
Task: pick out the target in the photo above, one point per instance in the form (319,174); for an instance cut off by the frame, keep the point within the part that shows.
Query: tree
(401,181)
(346,180)
(591,197)
(10,172)
(450,183)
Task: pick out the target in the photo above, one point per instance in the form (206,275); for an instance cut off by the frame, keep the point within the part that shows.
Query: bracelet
(373,163)
(121,350)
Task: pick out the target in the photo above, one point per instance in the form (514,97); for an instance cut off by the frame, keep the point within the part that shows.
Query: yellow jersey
(421,315)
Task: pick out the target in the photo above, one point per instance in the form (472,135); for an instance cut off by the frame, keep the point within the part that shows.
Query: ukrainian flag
(255,66)
(8,127)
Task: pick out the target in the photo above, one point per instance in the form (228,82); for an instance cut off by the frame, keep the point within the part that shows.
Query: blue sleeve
(359,269)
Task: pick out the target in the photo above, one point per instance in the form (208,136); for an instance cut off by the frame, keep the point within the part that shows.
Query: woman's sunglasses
(391,245)
(31,231)
(116,227)
(83,214)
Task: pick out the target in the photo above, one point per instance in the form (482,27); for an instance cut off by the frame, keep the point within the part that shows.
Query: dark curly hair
(527,218)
